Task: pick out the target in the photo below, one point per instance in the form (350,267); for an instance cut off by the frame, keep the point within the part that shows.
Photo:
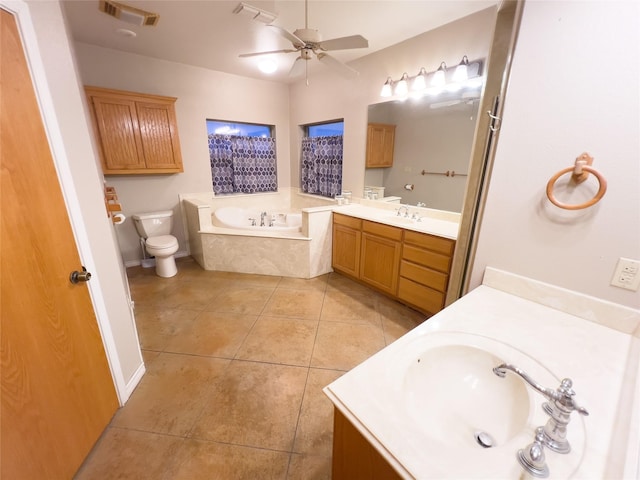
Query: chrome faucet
(262,217)
(559,408)
(406,211)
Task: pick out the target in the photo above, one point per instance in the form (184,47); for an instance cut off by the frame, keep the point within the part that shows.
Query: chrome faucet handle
(532,456)
(559,407)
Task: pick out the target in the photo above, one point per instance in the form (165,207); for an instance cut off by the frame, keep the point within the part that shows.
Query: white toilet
(155,229)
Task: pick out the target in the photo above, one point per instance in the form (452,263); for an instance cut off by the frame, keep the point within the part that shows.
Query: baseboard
(133,383)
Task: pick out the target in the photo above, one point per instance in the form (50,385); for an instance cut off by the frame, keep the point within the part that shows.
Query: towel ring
(579,176)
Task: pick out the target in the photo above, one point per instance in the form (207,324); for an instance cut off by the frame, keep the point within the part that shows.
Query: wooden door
(57,392)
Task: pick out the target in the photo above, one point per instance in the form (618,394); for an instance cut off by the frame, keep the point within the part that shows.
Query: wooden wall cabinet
(409,266)
(136,133)
(380,144)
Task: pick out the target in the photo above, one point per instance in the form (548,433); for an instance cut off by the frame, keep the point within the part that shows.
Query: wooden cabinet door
(159,139)
(380,145)
(346,250)
(380,262)
(119,133)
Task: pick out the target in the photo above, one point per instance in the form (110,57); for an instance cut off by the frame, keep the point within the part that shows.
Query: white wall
(574,88)
(68,131)
(201,94)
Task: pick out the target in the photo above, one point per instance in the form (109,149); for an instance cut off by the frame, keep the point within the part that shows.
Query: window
(242,157)
(321,159)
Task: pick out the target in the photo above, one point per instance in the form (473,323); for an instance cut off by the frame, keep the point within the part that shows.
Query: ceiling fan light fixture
(386,88)
(438,79)
(267,66)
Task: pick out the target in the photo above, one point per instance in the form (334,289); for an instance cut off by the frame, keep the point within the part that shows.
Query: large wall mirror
(433,143)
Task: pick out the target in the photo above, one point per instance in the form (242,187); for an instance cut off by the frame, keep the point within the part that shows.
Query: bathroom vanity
(409,259)
(402,414)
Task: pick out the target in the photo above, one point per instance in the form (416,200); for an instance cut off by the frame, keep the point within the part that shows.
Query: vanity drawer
(424,298)
(431,242)
(424,276)
(347,221)
(428,258)
(386,231)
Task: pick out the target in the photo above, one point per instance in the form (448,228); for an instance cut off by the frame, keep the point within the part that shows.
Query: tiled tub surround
(593,342)
(304,254)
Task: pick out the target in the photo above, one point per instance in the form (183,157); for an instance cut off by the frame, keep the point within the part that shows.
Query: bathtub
(250,219)
(222,237)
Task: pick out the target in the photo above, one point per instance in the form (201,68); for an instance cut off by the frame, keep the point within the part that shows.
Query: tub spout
(262,217)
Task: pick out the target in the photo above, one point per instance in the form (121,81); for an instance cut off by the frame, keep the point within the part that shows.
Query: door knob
(82,276)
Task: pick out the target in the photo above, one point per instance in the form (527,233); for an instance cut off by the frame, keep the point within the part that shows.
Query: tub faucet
(262,217)
(559,408)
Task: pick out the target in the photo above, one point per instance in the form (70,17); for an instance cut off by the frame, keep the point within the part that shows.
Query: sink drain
(484,439)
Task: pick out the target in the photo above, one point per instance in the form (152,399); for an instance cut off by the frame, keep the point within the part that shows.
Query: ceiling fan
(308,42)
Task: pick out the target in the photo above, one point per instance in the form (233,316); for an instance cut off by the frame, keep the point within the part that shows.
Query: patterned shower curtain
(321,170)
(242,164)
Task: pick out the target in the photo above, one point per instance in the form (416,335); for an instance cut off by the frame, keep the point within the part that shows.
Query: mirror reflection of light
(267,66)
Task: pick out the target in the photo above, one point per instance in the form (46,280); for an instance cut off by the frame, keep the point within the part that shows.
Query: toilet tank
(153,224)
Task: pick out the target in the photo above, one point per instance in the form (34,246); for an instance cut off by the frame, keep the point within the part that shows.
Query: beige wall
(574,88)
(201,94)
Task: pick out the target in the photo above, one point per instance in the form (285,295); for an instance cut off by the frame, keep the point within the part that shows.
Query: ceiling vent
(128,14)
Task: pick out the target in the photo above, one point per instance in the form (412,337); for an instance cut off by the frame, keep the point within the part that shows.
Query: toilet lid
(162,241)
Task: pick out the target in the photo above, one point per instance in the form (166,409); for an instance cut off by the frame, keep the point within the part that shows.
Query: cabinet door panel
(346,250)
(158,141)
(380,262)
(117,124)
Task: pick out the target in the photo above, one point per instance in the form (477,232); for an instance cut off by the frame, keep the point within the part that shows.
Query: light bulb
(461,75)
(386,88)
(420,83)
(438,79)
(402,88)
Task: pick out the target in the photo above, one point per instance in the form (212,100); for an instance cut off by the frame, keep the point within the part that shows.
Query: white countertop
(602,361)
(434,222)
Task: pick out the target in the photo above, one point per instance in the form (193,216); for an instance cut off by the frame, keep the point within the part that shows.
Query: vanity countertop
(559,329)
(434,222)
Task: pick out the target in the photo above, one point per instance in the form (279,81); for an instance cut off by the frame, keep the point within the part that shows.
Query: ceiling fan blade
(333,62)
(344,43)
(267,53)
(288,35)
(297,68)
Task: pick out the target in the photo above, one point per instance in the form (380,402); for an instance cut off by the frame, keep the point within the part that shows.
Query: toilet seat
(162,242)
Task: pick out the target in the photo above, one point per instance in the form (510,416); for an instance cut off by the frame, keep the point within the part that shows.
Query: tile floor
(235,369)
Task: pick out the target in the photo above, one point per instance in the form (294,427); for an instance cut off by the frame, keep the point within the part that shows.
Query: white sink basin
(452,389)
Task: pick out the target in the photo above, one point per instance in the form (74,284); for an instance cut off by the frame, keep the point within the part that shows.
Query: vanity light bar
(433,82)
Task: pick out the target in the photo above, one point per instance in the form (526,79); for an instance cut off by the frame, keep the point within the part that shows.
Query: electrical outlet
(627,274)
